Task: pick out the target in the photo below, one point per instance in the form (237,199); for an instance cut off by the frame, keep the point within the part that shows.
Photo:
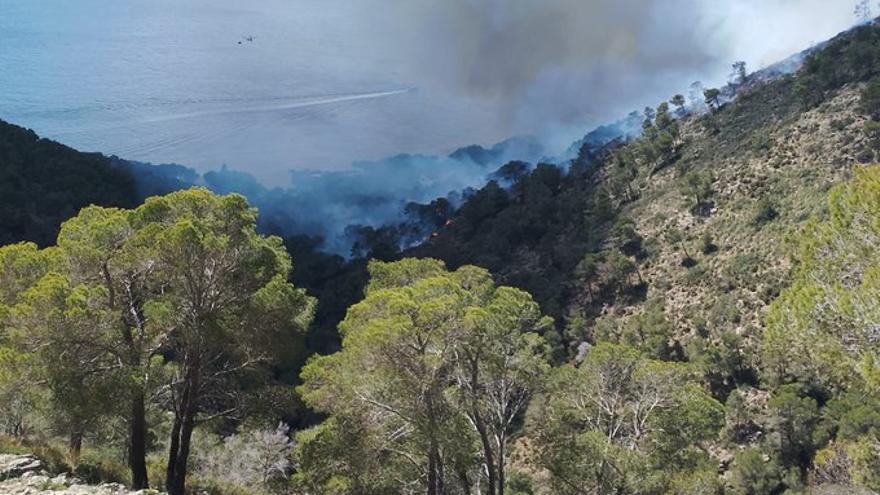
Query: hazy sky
(324,83)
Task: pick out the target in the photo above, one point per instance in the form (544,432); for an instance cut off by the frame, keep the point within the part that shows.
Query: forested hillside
(677,243)
(689,312)
(43,183)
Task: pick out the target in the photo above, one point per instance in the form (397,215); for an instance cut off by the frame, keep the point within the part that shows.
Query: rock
(24,475)
(14,466)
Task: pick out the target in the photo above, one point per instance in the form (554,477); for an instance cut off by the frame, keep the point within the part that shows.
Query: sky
(267,86)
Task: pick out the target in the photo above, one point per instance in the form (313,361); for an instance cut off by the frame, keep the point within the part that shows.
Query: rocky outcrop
(24,475)
(14,466)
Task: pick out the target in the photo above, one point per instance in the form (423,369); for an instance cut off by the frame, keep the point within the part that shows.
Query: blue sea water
(264,86)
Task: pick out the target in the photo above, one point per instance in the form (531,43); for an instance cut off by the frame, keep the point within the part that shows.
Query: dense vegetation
(43,183)
(178,306)
(693,311)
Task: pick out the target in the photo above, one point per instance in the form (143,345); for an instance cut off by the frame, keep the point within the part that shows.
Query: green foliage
(519,483)
(697,185)
(711,97)
(851,415)
(818,330)
(850,58)
(599,435)
(742,269)
(866,462)
(53,459)
(679,102)
(332,458)
(183,285)
(707,244)
(442,363)
(765,211)
(651,332)
(94,468)
(549,217)
(752,474)
(761,141)
(794,422)
(870,99)
(700,482)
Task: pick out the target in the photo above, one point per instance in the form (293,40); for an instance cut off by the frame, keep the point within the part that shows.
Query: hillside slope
(764,161)
(43,183)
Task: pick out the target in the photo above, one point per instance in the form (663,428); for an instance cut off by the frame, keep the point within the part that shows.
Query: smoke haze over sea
(271,85)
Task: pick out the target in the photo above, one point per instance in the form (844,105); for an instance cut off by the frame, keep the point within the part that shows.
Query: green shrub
(519,483)
(742,269)
(695,275)
(10,445)
(707,244)
(54,459)
(865,463)
(760,141)
(156,466)
(724,312)
(753,475)
(215,487)
(765,212)
(95,468)
(841,124)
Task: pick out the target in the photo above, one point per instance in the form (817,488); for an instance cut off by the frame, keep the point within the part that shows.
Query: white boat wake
(277,104)
(301,103)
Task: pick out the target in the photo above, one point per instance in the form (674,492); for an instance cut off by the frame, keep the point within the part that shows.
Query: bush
(742,270)
(865,463)
(707,244)
(156,470)
(695,275)
(95,468)
(54,460)
(216,487)
(519,483)
(256,461)
(760,141)
(753,475)
(765,212)
(841,124)
(10,445)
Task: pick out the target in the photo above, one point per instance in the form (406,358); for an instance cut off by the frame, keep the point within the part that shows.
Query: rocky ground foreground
(24,475)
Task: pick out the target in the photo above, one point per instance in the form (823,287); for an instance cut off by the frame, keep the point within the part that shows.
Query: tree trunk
(432,472)
(501,454)
(177,485)
(137,447)
(75,445)
(487,452)
(181,432)
(480,426)
(435,461)
(173,449)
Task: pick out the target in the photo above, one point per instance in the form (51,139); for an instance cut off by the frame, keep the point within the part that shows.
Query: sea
(264,86)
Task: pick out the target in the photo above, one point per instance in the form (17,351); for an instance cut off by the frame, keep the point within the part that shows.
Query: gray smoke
(547,65)
(488,69)
(333,205)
